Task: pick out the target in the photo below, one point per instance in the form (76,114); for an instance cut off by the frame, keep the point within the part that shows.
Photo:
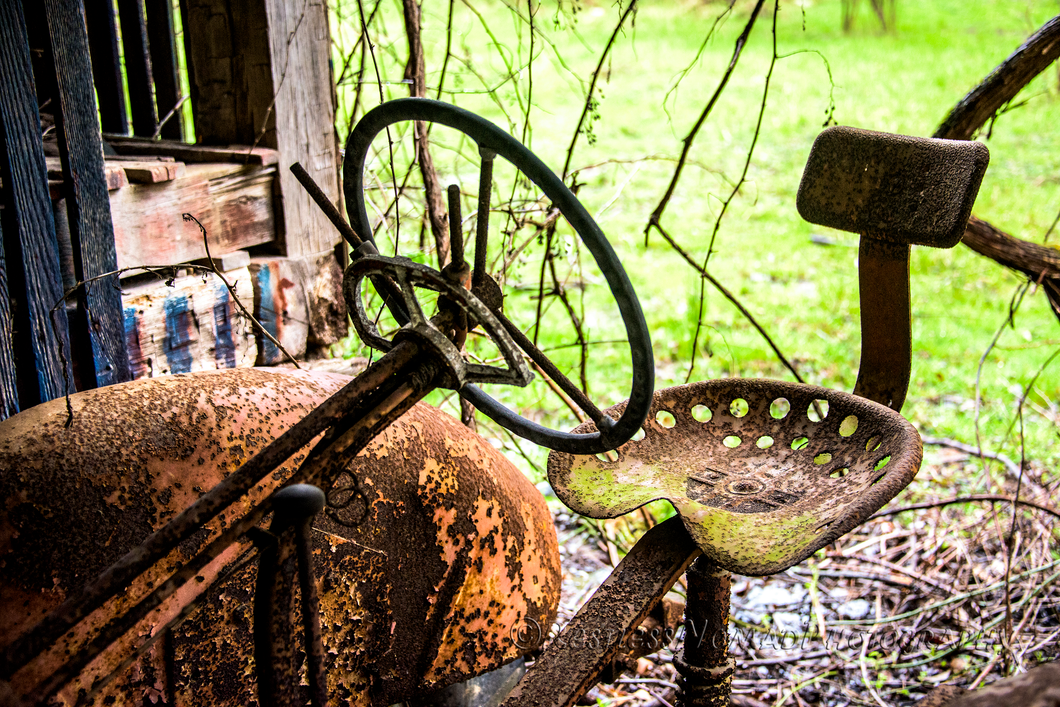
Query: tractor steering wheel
(491,140)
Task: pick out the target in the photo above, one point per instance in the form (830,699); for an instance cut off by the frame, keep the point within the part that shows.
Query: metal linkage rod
(295,507)
(704,663)
(482,223)
(592,639)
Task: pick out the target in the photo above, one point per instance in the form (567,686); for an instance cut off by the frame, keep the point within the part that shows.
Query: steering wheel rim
(488,136)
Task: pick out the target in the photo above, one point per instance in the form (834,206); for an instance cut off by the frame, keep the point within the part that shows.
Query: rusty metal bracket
(408,275)
(294,508)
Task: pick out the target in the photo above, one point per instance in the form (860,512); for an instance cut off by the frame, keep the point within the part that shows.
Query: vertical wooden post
(30,249)
(300,43)
(105,361)
(261,75)
(159,15)
(106,66)
(8,387)
(138,67)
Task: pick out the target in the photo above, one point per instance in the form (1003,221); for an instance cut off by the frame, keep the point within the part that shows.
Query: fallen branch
(984,103)
(992,497)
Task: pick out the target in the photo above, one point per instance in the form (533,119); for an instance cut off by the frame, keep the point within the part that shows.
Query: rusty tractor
(297,538)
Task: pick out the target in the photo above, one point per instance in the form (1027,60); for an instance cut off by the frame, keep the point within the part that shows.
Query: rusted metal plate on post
(892,187)
(763,473)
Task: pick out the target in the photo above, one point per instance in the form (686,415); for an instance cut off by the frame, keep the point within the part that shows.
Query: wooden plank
(305,119)
(159,14)
(137,158)
(238,154)
(104,361)
(116,178)
(34,280)
(280,307)
(227,45)
(262,76)
(8,386)
(233,202)
(138,67)
(115,175)
(106,65)
(152,172)
(192,324)
(328,323)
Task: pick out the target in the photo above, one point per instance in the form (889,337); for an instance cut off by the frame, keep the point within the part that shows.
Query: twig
(733,299)
(992,497)
(416,71)
(242,308)
(169,115)
(1010,465)
(1014,304)
(656,216)
(590,102)
(647,681)
(732,194)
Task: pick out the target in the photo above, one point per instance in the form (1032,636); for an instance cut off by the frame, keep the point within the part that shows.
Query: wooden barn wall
(262,91)
(260,75)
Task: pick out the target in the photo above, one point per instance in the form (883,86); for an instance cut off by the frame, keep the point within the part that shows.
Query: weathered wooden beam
(31,254)
(234,203)
(105,361)
(159,14)
(238,154)
(106,65)
(300,42)
(138,67)
(8,386)
(262,76)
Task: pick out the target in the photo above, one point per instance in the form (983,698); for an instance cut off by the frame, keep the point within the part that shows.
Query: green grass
(804,294)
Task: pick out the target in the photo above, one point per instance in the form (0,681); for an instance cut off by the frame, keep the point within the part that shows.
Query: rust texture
(892,187)
(886,326)
(760,478)
(452,538)
(592,639)
(122,575)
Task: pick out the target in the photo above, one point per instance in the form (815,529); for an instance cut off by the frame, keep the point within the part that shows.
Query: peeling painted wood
(193,325)
(281,307)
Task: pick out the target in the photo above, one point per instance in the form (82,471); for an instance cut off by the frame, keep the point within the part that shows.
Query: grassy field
(803,293)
